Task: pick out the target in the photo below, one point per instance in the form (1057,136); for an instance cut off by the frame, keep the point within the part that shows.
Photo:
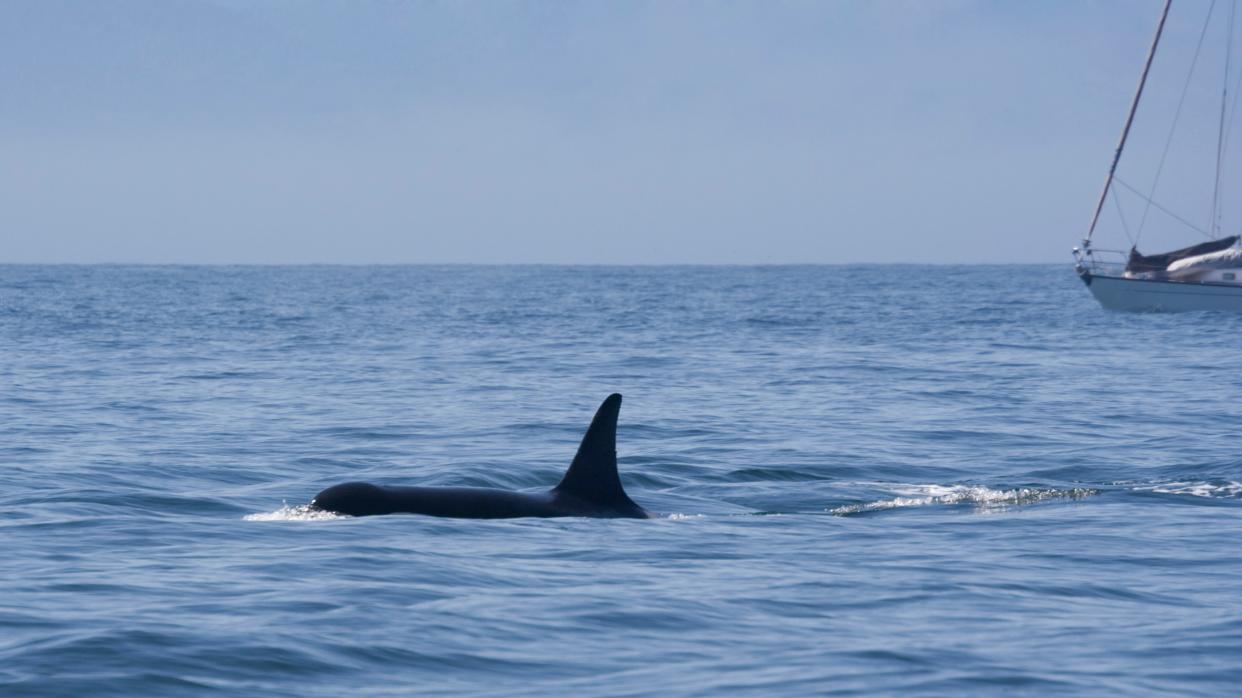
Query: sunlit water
(873,479)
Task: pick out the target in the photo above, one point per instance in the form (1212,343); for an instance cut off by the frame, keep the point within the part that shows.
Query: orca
(590,488)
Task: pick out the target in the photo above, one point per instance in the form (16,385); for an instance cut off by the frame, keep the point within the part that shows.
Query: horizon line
(529,264)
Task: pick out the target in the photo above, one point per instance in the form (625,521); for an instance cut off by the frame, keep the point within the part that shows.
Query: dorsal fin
(593,474)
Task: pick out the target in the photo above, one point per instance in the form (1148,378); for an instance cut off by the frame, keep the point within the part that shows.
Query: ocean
(920,480)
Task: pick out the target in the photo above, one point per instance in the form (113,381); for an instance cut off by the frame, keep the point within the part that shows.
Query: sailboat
(1203,276)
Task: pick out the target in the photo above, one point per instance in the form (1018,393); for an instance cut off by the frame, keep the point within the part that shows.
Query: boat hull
(1149,295)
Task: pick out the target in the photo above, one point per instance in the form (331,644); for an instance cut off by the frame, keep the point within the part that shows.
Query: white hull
(1116,293)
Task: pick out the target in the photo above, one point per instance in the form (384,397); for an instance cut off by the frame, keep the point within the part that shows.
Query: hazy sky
(597,132)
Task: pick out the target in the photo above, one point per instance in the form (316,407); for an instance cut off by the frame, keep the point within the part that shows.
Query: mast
(1214,225)
(1125,132)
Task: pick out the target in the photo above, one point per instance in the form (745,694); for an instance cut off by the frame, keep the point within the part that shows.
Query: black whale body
(591,487)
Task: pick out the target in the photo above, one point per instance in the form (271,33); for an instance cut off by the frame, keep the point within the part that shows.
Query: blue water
(872,479)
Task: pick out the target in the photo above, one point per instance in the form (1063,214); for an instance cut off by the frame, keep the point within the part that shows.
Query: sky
(662,132)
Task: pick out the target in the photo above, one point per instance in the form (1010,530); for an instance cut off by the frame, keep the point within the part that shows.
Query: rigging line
(1158,207)
(1220,133)
(1125,227)
(1233,110)
(1177,115)
(1125,131)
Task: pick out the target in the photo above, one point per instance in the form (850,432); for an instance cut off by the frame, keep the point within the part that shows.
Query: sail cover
(1160,262)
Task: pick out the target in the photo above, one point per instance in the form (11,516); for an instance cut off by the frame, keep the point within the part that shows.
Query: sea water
(923,480)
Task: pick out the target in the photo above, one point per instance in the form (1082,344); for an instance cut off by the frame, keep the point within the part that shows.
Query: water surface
(873,479)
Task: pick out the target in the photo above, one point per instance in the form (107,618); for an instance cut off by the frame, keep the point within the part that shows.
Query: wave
(983,498)
(301,512)
(1213,490)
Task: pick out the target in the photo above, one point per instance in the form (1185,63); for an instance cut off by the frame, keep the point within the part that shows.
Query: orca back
(591,487)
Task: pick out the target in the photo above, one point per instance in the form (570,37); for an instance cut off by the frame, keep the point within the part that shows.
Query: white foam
(1217,490)
(984,498)
(302,512)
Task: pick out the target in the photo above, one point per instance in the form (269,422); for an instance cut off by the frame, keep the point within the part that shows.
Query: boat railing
(1101,262)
